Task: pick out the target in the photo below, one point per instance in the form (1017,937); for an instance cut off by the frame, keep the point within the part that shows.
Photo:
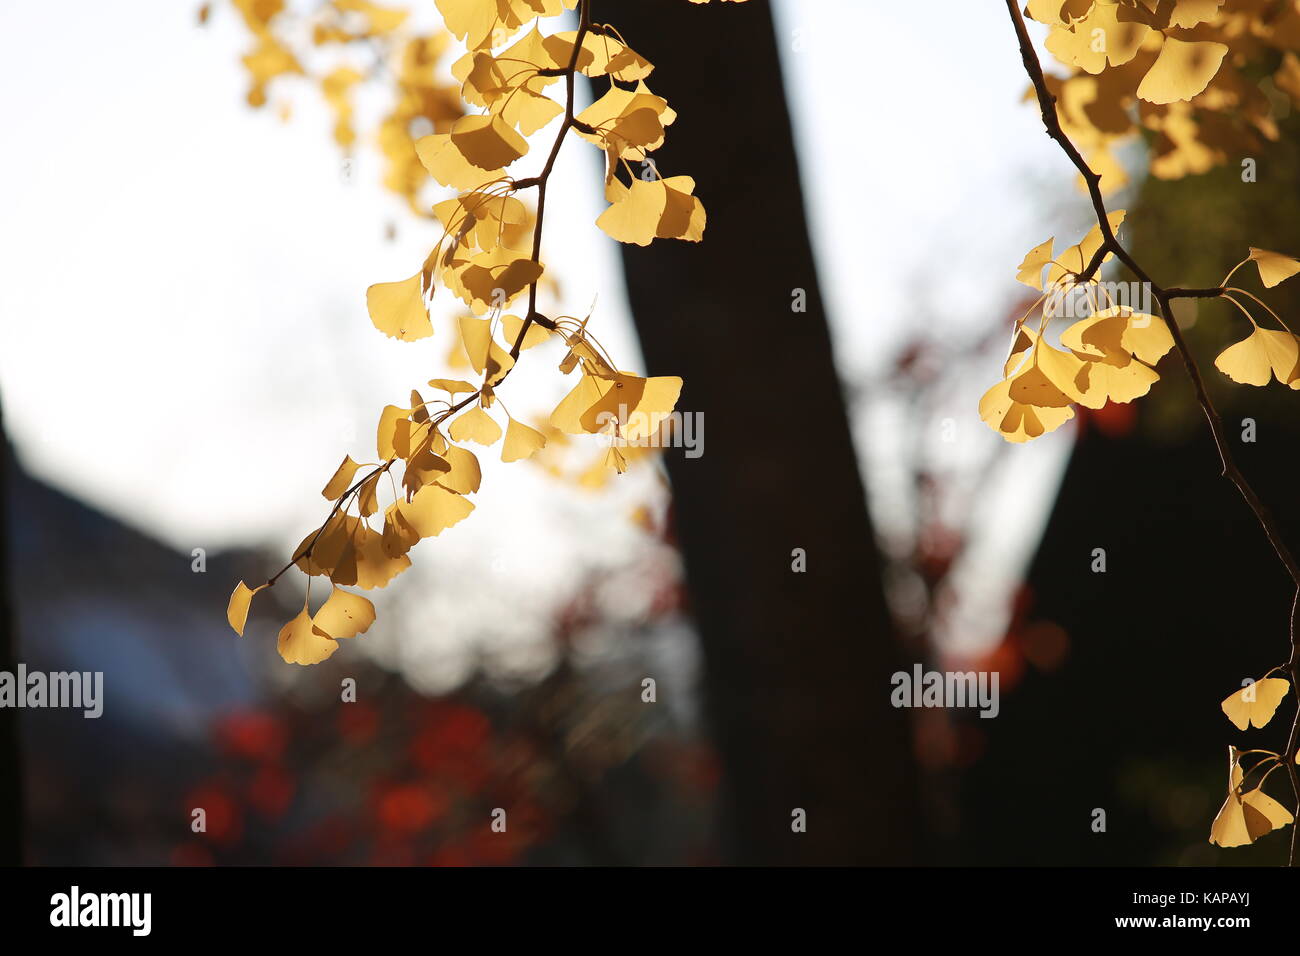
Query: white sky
(183,335)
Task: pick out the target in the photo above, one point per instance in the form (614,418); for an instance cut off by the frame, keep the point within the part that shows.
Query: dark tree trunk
(10,775)
(797,665)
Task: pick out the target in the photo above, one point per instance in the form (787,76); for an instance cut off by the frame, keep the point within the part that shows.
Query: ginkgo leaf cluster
(340,46)
(1184,72)
(1111,354)
(514,78)
(1108,356)
(1249,813)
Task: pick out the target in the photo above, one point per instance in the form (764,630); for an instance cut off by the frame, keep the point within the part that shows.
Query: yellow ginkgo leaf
(521,441)
(368,495)
(487,141)
(1100,337)
(342,479)
(237,609)
(434,509)
(1277,815)
(1048,379)
(465,475)
(1147,337)
(1015,421)
(1263,354)
(397,309)
(386,433)
(683,216)
(423,467)
(1076,258)
(1256,702)
(604,113)
(1117,335)
(633,404)
(373,567)
(1188,13)
(662,208)
(398,536)
(535,335)
(567,416)
(448,165)
(1183,69)
(329,545)
(1100,382)
(1031,267)
(470,20)
(475,425)
(482,350)
(452,386)
(299,643)
(1238,823)
(492,279)
(633,216)
(1273,266)
(344,615)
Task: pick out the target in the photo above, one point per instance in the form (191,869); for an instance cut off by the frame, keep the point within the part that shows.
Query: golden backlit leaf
(1020,346)
(1255,703)
(368,495)
(452,386)
(662,208)
(487,141)
(343,615)
(386,433)
(434,509)
(475,425)
(397,309)
(1100,382)
(342,479)
(536,334)
(1265,353)
(445,163)
(567,416)
(1016,421)
(299,643)
(1274,267)
(521,441)
(1048,378)
(1238,823)
(237,609)
(633,404)
(1277,815)
(465,475)
(1182,70)
(375,567)
(1031,267)
(398,536)
(1076,258)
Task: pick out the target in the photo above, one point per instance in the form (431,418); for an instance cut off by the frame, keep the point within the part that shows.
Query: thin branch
(541,180)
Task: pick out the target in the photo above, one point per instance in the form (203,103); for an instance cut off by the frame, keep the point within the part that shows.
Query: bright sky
(185,343)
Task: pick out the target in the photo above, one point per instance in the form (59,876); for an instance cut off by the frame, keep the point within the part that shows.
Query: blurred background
(186,356)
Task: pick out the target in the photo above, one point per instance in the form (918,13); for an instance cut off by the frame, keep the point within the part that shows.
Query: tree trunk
(797,664)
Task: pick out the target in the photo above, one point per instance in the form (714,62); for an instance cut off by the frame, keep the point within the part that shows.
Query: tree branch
(1047,107)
